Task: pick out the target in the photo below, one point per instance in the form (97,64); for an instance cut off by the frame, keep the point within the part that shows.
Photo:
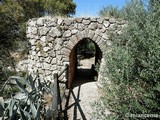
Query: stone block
(32,23)
(43,38)
(32,30)
(52,53)
(74,31)
(95,37)
(43,31)
(81,27)
(48,60)
(105,36)
(86,22)
(45,49)
(40,22)
(67,22)
(79,36)
(54,61)
(53,68)
(91,34)
(74,39)
(98,39)
(60,20)
(67,33)
(32,41)
(112,20)
(54,32)
(100,20)
(46,66)
(33,53)
(106,24)
(79,20)
(93,26)
(93,19)
(65,59)
(48,72)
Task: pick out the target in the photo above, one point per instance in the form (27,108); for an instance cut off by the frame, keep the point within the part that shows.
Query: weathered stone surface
(33,48)
(79,20)
(67,33)
(43,38)
(121,22)
(79,36)
(91,34)
(67,22)
(31,36)
(106,24)
(53,68)
(46,66)
(53,41)
(93,26)
(51,24)
(46,49)
(39,54)
(105,36)
(40,22)
(54,61)
(32,23)
(39,65)
(33,53)
(54,32)
(86,22)
(48,72)
(112,20)
(81,27)
(74,31)
(100,20)
(43,31)
(32,30)
(87,18)
(32,41)
(48,60)
(60,20)
(93,19)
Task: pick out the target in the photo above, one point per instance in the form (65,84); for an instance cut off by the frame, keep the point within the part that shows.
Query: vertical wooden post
(67,74)
(55,99)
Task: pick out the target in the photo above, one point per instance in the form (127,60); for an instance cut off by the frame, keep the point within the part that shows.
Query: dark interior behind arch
(73,60)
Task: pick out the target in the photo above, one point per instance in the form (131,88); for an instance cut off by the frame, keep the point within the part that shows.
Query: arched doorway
(83,59)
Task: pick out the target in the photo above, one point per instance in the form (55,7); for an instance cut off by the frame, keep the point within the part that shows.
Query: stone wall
(51,40)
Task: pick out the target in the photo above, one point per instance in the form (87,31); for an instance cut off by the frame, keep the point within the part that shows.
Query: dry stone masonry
(51,40)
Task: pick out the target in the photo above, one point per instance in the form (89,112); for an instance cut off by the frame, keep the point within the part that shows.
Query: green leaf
(33,110)
(11,107)
(31,82)
(1,106)
(21,87)
(23,117)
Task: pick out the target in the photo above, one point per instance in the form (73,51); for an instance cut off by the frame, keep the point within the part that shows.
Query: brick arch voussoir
(75,39)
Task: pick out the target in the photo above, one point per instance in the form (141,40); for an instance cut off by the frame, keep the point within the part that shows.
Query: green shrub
(28,101)
(133,68)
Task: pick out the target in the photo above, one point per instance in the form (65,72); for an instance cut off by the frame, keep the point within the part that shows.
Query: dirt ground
(84,92)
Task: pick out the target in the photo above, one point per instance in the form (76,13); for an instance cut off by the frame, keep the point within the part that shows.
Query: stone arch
(73,40)
(73,60)
(52,40)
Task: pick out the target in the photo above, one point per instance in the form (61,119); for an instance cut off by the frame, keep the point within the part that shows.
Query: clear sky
(92,7)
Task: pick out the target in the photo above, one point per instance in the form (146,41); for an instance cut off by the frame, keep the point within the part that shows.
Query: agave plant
(29,102)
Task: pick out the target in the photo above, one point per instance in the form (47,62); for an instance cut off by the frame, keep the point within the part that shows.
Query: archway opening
(84,59)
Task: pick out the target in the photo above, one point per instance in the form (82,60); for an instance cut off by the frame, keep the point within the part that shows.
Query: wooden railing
(58,92)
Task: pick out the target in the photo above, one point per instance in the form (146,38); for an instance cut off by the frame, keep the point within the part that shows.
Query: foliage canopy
(133,66)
